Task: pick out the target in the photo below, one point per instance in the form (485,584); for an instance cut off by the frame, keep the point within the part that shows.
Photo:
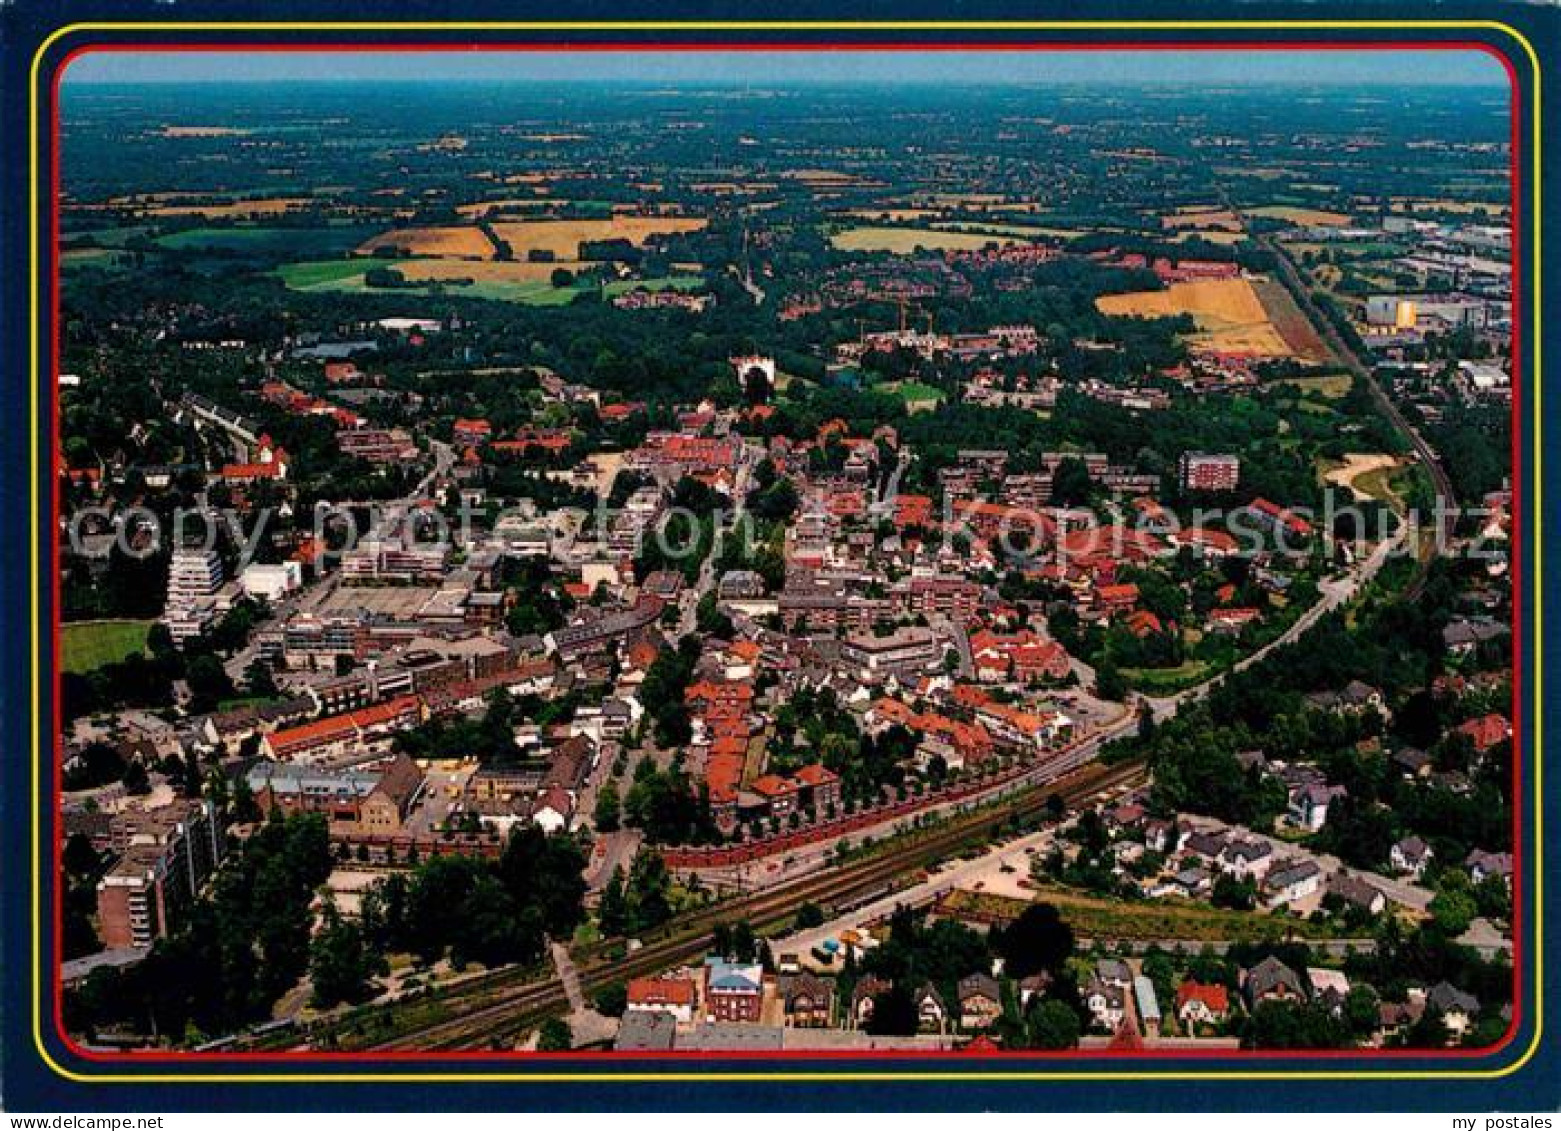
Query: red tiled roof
(1216,998)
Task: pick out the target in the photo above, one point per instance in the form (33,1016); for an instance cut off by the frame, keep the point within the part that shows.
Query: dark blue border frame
(30,1085)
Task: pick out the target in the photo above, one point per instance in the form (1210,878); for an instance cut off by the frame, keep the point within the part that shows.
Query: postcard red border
(1015,1057)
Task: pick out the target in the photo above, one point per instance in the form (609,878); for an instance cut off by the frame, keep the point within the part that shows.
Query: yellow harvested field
(1464,207)
(894,215)
(1313,217)
(443,243)
(1223,239)
(564,237)
(1229,315)
(1220,219)
(1356,468)
(233,210)
(904,241)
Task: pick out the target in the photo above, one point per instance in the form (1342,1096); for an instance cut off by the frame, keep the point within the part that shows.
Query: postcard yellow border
(320,1073)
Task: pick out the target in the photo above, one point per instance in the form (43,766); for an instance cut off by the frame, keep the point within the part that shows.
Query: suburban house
(1309,804)
(1272,980)
(862,1000)
(1199,1004)
(1107,1003)
(1329,987)
(675,996)
(1481,865)
(1114,972)
(1291,880)
(809,1001)
(980,1001)
(1247,859)
(932,1015)
(1410,856)
(1357,893)
(1458,1009)
(734,991)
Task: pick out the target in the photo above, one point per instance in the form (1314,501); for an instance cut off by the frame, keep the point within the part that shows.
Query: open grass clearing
(88,645)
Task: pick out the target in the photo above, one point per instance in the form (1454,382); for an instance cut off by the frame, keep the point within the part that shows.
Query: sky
(1395,68)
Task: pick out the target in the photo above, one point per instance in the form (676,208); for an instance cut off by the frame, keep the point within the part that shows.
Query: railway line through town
(1427,547)
(494,1009)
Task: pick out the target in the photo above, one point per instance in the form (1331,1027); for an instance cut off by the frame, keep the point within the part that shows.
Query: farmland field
(90,257)
(1025,231)
(453,242)
(1229,315)
(564,237)
(665,283)
(313,241)
(88,645)
(1293,325)
(1312,217)
(904,241)
(1213,218)
(528,283)
(232,210)
(324,275)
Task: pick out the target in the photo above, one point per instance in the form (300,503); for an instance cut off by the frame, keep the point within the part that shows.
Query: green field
(346,276)
(106,237)
(664,283)
(326,275)
(913,391)
(91,644)
(1330,385)
(262,240)
(90,257)
(1164,680)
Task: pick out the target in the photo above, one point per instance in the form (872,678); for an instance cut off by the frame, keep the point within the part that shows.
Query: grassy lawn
(327,275)
(1330,385)
(1384,485)
(1167,679)
(91,644)
(913,391)
(665,283)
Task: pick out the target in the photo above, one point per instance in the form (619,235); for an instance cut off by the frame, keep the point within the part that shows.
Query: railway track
(500,1011)
(1440,481)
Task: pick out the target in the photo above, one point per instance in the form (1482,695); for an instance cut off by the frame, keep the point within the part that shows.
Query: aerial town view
(758,554)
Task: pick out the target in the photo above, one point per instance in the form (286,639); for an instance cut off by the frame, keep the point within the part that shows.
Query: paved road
(1399,890)
(1446,500)
(771,870)
(312,596)
(586,1025)
(1335,592)
(958,873)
